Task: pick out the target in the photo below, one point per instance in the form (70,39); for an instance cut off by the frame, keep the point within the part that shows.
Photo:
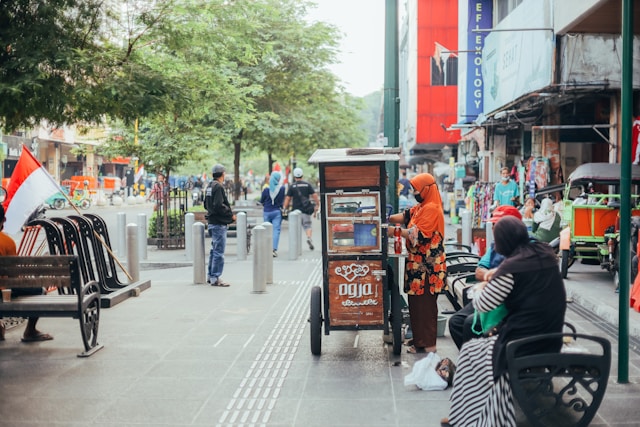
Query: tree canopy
(219,77)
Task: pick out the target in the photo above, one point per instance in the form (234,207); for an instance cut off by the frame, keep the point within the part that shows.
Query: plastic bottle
(397,239)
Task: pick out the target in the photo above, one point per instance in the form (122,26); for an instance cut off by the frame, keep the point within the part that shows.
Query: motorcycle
(80,199)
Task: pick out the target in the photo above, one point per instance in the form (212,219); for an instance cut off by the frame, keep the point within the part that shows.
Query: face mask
(505,178)
(418,198)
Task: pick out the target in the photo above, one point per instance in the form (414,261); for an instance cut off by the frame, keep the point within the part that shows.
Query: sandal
(39,336)
(415,350)
(220,283)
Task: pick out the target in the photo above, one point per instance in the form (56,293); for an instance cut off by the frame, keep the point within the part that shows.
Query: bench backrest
(39,271)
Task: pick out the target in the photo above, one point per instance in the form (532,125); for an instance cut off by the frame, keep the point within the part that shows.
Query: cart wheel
(85,204)
(315,320)
(58,204)
(564,263)
(396,321)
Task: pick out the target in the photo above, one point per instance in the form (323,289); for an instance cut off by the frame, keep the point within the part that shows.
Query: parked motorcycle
(80,199)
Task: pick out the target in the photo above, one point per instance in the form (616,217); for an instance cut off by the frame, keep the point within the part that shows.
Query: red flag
(30,186)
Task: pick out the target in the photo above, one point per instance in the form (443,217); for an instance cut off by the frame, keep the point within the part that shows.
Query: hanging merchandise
(482,199)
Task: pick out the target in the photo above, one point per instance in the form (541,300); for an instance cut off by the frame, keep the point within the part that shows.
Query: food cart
(354,293)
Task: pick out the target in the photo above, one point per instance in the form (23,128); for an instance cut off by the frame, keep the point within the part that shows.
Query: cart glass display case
(353,222)
(353,214)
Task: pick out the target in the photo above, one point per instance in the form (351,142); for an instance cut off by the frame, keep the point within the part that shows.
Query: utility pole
(625,189)
(391,101)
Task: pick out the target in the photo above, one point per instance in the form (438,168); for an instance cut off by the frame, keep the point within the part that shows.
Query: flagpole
(95,233)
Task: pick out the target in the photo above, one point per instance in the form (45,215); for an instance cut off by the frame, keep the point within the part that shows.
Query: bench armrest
(553,386)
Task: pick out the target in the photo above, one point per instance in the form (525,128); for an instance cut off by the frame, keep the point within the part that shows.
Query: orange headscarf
(428,216)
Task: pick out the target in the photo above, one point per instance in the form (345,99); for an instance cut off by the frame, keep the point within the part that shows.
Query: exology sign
(479,18)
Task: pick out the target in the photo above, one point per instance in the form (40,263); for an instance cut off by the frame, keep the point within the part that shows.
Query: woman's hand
(488,275)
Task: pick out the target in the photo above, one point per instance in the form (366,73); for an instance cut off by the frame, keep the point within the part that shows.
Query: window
(502,8)
(444,67)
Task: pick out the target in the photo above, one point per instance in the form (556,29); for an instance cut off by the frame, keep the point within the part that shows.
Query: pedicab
(592,219)
(356,283)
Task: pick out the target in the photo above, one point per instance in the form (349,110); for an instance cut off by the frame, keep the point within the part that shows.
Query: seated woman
(546,222)
(529,284)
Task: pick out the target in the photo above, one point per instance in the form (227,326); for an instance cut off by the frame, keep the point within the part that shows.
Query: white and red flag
(29,187)
(139,173)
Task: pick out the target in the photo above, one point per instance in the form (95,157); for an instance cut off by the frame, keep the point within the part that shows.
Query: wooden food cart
(355,294)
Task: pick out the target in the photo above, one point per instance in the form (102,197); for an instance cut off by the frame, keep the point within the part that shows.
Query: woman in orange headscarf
(425,269)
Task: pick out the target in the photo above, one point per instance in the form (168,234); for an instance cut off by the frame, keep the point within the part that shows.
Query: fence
(167,222)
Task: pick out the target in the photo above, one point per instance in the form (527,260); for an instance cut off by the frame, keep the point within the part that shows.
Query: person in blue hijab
(272,199)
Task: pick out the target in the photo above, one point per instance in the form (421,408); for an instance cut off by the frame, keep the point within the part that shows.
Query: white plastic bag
(424,375)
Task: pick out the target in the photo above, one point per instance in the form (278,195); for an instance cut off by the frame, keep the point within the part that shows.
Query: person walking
(219,216)
(272,200)
(425,266)
(299,195)
(405,185)
(506,191)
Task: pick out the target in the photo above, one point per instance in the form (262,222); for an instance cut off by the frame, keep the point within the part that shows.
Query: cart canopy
(347,155)
(601,173)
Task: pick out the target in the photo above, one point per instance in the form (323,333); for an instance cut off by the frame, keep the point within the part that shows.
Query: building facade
(550,79)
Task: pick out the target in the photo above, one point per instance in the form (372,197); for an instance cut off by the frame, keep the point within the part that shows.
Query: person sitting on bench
(8,248)
(529,285)
(461,322)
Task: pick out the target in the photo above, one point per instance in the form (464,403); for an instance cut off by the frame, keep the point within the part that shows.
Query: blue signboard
(479,17)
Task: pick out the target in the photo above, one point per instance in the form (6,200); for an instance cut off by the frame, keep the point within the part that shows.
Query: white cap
(297,173)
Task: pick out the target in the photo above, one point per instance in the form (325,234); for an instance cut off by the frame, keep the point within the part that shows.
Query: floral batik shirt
(426,263)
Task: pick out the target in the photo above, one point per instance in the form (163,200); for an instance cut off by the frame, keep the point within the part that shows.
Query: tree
(58,63)
(301,106)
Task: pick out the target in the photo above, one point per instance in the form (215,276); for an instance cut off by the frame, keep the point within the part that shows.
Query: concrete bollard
(142,235)
(102,200)
(241,235)
(465,214)
(121,233)
(259,264)
(268,249)
(133,262)
(199,272)
(189,220)
(294,234)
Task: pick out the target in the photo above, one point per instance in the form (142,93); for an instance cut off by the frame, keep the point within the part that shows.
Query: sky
(361,58)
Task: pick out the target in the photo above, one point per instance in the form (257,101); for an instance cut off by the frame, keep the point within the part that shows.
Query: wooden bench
(560,389)
(74,299)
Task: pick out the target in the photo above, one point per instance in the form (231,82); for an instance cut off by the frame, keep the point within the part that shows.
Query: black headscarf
(537,302)
(513,242)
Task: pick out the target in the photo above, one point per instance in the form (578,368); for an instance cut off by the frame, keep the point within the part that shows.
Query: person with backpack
(299,195)
(219,216)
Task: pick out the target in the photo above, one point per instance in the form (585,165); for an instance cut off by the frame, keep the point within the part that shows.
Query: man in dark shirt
(219,215)
(299,192)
